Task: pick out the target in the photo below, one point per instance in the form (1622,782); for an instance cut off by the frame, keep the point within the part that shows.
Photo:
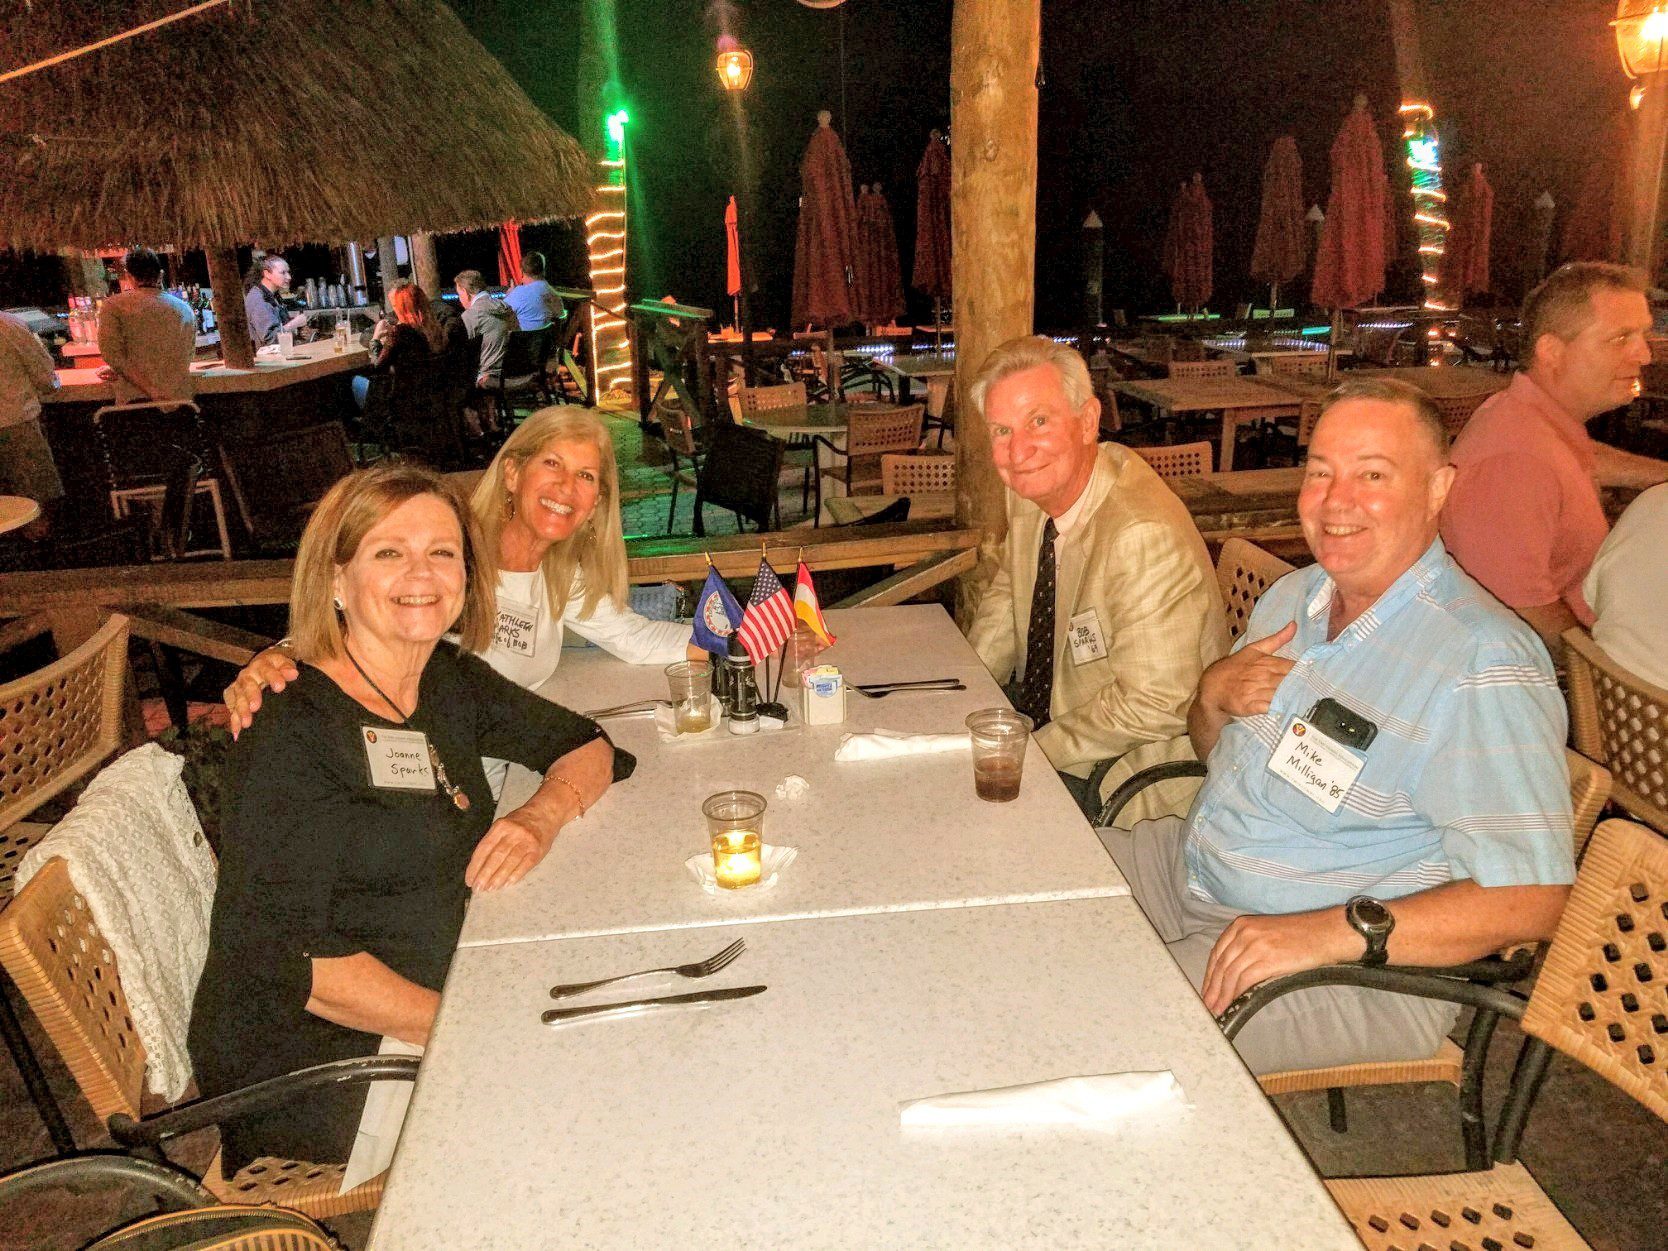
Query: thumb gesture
(1269,644)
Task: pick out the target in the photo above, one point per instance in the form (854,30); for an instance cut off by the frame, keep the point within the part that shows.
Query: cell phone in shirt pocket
(1341,725)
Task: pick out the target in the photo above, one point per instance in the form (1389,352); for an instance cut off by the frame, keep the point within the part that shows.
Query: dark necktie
(1038,684)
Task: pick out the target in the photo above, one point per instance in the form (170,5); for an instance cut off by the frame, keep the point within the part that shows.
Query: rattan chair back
(915,475)
(1456,410)
(1243,572)
(66,972)
(58,725)
(232,1227)
(938,394)
(1203,369)
(1621,721)
(1599,997)
(763,399)
(877,428)
(1179,460)
(1308,417)
(1308,365)
(1589,792)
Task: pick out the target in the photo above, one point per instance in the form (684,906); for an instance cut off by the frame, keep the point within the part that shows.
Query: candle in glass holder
(735,858)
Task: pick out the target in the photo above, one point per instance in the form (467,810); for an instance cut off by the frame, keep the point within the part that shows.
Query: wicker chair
(740,473)
(750,400)
(941,408)
(190,1219)
(1308,365)
(54,951)
(1244,571)
(1179,460)
(1203,369)
(141,445)
(56,726)
(1597,1000)
(678,426)
(276,480)
(1456,410)
(914,475)
(872,429)
(1621,721)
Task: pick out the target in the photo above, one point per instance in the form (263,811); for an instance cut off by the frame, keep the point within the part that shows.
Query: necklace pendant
(461,800)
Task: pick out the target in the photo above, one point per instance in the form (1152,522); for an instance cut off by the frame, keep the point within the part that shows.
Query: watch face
(1371,913)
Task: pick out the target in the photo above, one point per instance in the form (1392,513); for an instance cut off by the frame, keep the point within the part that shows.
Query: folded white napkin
(888,744)
(772,860)
(380,1125)
(1095,1101)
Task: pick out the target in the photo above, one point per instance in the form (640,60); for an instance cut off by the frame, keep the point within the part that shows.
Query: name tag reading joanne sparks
(1083,633)
(1317,766)
(398,759)
(518,625)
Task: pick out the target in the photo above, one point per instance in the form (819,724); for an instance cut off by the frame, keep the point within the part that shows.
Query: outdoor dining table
(773,1121)
(1245,499)
(876,836)
(798,421)
(922,366)
(1240,399)
(17,511)
(1442,381)
(923,505)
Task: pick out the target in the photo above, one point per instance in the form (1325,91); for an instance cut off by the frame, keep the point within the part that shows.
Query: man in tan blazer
(1127,602)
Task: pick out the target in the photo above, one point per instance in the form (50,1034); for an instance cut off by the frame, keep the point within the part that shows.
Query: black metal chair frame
(746,497)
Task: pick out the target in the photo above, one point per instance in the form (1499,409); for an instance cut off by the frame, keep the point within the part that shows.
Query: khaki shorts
(26,464)
(1308,1029)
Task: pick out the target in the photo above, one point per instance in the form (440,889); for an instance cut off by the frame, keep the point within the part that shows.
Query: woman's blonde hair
(339,525)
(596,552)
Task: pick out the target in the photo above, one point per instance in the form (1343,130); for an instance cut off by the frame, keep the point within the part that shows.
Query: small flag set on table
(769,619)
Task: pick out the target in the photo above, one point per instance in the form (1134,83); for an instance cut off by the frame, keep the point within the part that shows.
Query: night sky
(1138,95)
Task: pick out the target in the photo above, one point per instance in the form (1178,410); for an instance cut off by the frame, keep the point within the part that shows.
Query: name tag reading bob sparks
(1317,766)
(398,759)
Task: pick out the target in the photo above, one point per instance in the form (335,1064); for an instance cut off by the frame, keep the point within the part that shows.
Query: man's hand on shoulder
(1255,948)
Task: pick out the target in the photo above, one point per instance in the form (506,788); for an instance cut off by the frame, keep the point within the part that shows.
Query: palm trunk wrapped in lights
(1430,202)
(605,242)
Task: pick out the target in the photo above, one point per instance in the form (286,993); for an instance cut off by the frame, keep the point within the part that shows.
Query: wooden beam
(736,556)
(994,49)
(425,264)
(210,584)
(231,321)
(923,575)
(173,628)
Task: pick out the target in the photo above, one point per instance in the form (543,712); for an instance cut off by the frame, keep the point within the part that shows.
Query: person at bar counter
(534,301)
(358,817)
(1104,608)
(1386,769)
(26,375)
(146,336)
(488,319)
(413,333)
(264,307)
(1524,517)
(548,507)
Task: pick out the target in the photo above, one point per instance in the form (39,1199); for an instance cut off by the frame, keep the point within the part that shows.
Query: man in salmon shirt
(1524,516)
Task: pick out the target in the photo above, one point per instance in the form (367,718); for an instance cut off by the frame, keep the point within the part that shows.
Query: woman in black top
(413,333)
(358,813)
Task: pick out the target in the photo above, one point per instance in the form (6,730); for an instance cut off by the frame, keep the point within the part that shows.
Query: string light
(1424,162)
(605,245)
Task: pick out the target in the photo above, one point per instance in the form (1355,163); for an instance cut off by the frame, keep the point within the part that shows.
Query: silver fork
(701,968)
(880,690)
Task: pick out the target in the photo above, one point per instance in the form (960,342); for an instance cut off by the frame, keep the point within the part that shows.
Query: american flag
(768,620)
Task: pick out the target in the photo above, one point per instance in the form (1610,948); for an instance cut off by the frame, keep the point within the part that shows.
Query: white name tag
(398,759)
(1087,642)
(518,627)
(1315,764)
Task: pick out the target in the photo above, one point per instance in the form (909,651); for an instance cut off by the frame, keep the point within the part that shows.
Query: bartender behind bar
(264,306)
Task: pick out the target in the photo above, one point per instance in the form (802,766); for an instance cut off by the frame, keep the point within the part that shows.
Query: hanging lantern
(735,68)
(1642,36)
(822,4)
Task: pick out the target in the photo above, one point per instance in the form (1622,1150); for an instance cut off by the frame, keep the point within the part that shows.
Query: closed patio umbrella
(1281,251)
(1188,246)
(732,256)
(880,295)
(509,254)
(825,253)
(1349,268)
(931,275)
(1465,266)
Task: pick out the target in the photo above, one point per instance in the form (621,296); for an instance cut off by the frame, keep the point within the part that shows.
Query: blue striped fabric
(1465,779)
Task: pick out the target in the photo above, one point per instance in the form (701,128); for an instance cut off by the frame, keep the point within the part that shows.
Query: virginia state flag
(807,608)
(716,614)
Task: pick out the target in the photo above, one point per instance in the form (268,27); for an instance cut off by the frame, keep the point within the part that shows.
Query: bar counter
(309,361)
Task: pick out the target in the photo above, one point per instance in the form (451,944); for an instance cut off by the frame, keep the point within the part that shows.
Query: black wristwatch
(1373,921)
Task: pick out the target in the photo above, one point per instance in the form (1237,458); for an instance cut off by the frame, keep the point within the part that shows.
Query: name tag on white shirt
(1315,764)
(398,759)
(517,628)
(1087,642)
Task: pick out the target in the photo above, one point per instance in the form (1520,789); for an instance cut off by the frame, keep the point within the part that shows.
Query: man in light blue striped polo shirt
(1387,779)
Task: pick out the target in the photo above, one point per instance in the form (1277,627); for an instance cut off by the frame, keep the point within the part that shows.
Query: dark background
(1138,95)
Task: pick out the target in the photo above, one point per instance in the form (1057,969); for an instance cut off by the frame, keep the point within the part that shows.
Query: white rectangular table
(872,837)
(772,1122)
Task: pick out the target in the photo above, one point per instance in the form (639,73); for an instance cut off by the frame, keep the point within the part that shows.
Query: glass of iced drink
(690,683)
(999,737)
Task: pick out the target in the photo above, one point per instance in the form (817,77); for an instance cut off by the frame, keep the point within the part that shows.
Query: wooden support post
(425,265)
(994,46)
(387,266)
(231,320)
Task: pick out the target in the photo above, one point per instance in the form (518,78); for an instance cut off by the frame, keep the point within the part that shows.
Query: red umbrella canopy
(1465,266)
(1188,245)
(1594,229)
(1281,251)
(509,254)
(879,293)
(932,220)
(732,249)
(1349,266)
(825,254)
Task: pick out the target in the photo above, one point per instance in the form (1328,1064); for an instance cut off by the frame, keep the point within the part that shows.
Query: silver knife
(928,684)
(555,1016)
(642,707)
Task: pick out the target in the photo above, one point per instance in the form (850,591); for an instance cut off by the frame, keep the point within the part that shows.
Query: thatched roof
(270,122)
